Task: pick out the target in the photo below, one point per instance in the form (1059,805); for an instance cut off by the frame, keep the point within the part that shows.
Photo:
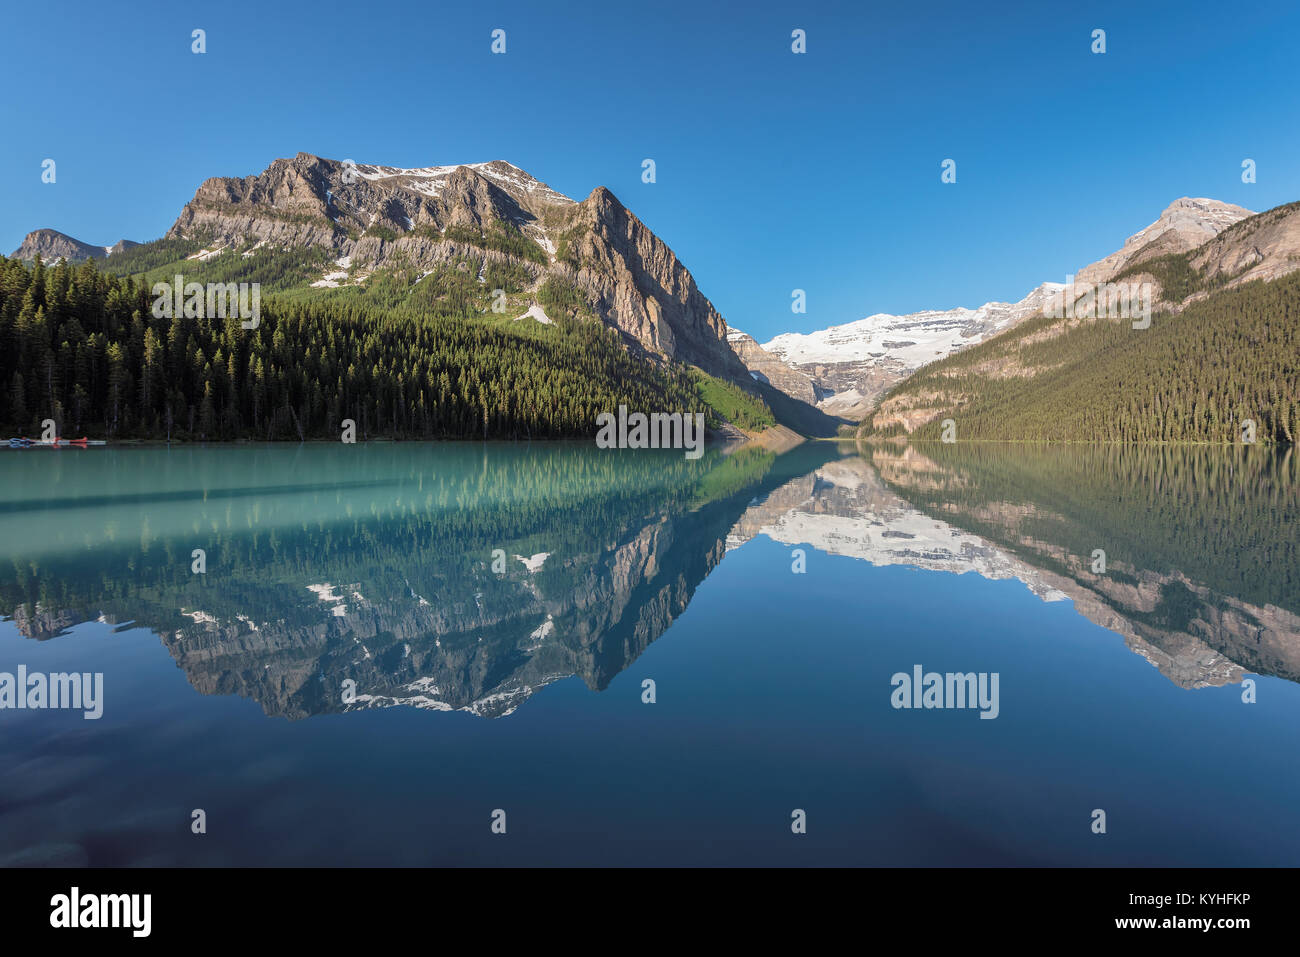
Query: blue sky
(775,171)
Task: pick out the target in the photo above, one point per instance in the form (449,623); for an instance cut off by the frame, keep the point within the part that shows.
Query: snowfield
(911,340)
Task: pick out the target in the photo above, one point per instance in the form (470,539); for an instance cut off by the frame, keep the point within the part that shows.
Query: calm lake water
(390,643)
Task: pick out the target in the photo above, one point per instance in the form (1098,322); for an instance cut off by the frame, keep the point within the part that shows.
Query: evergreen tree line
(82,347)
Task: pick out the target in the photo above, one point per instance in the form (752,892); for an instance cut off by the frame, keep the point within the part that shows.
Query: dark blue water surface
(392,642)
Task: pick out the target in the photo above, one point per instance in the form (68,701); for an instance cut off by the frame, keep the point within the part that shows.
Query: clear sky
(775,171)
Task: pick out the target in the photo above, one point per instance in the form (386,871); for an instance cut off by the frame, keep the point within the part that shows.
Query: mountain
(52,245)
(852,365)
(1184,225)
(1262,247)
(439,302)
(371,219)
(308,201)
(1219,352)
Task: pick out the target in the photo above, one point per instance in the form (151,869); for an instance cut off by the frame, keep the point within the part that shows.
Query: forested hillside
(1193,376)
(82,347)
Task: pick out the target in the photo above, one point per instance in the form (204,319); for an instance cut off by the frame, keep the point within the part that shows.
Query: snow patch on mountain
(535,563)
(538,313)
(911,340)
(429,179)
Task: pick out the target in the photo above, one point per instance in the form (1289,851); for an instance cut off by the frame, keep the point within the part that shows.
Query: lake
(511,654)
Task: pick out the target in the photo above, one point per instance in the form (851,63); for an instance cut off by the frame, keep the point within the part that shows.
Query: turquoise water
(389,643)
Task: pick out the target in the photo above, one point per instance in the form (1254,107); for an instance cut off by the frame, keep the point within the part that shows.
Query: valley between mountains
(475,301)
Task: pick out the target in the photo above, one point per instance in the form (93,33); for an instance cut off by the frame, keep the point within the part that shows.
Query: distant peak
(52,245)
(1202,204)
(603,196)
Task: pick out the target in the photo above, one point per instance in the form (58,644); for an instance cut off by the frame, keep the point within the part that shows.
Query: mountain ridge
(852,365)
(52,245)
(373,217)
(1215,362)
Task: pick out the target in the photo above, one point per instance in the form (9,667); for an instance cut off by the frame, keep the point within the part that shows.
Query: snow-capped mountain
(852,364)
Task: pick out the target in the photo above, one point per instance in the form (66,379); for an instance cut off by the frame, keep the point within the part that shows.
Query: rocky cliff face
(1266,246)
(765,367)
(1184,225)
(371,217)
(311,201)
(636,282)
(52,245)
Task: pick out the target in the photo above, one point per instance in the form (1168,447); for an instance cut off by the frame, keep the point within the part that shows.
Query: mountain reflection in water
(465,576)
